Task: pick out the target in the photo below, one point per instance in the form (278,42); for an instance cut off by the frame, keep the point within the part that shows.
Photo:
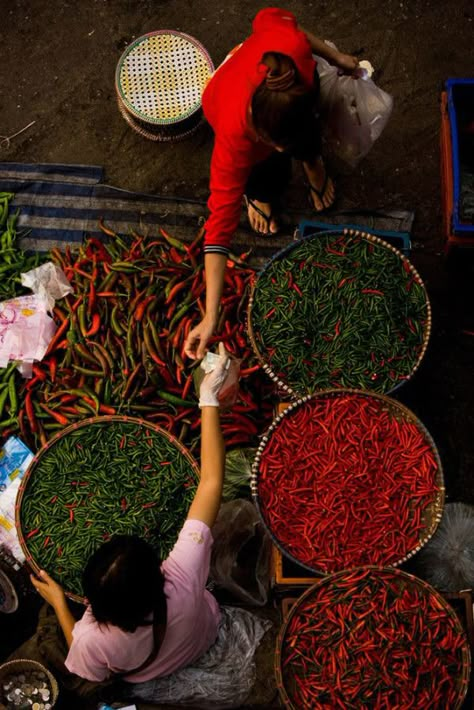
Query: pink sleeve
(85,657)
(189,560)
(230,167)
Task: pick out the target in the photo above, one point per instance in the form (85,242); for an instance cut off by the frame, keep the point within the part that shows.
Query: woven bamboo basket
(431,515)
(159,82)
(23,665)
(284,387)
(462,681)
(194,469)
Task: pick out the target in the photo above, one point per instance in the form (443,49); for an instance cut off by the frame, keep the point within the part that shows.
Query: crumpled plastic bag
(47,281)
(240,558)
(25,331)
(355,112)
(447,560)
(222,678)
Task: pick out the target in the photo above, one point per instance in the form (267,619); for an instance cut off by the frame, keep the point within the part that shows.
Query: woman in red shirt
(262,103)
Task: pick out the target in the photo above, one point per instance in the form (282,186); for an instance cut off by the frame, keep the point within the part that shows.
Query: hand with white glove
(215,367)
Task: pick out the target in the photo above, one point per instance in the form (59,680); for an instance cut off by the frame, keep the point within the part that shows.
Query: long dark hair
(124,584)
(283,107)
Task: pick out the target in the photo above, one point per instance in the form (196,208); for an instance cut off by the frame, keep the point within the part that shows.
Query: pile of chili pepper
(373,638)
(13,260)
(119,347)
(100,479)
(346,479)
(340,311)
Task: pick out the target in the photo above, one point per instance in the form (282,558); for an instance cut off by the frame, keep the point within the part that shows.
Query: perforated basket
(337,590)
(286,379)
(159,82)
(430,516)
(127,520)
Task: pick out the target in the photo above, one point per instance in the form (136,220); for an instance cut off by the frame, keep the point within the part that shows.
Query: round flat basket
(101,477)
(32,681)
(159,82)
(372,638)
(346,478)
(339,310)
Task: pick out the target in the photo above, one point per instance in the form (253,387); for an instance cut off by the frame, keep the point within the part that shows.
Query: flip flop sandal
(320,194)
(267,217)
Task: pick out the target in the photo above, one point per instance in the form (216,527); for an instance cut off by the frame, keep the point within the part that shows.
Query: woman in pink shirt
(144,619)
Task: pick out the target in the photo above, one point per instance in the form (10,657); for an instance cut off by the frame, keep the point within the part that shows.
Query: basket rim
(102,419)
(157,137)
(118,85)
(280,383)
(437,506)
(373,569)
(52,680)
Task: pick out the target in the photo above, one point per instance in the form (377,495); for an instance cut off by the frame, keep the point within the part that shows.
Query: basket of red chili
(346,478)
(372,638)
(101,477)
(339,310)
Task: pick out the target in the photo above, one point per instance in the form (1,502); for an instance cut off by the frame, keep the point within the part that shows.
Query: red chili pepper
(95,325)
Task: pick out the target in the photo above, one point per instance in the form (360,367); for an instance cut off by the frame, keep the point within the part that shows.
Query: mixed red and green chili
(340,311)
(104,478)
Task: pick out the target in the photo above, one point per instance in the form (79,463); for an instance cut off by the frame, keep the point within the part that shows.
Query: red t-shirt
(225,103)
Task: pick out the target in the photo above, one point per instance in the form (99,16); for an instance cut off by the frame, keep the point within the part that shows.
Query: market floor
(58,63)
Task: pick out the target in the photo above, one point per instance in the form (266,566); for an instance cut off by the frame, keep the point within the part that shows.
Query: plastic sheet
(447,560)
(355,112)
(240,561)
(222,678)
(238,468)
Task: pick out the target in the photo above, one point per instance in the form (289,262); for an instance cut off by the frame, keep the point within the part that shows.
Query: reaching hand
(50,590)
(212,382)
(347,63)
(195,345)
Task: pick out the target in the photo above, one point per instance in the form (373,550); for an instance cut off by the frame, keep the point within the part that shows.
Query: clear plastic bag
(355,112)
(238,468)
(240,561)
(222,678)
(447,560)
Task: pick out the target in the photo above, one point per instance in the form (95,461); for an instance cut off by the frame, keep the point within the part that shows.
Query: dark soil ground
(58,63)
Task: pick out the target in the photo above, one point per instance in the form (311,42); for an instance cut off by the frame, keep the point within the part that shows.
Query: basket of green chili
(372,638)
(346,478)
(339,310)
(97,478)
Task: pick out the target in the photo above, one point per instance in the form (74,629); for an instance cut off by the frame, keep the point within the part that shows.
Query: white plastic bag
(222,678)
(447,560)
(355,112)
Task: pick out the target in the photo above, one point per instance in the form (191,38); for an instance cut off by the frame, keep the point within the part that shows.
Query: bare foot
(322,191)
(260,217)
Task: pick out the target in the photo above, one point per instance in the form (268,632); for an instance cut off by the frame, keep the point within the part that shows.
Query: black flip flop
(267,217)
(320,194)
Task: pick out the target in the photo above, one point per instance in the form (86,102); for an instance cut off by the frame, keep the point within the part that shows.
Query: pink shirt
(97,651)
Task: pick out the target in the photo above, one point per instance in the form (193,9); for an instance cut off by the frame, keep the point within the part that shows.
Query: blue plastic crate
(460,94)
(400,240)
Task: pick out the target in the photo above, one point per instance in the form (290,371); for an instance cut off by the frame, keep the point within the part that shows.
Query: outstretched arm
(345,61)
(207,500)
(215,264)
